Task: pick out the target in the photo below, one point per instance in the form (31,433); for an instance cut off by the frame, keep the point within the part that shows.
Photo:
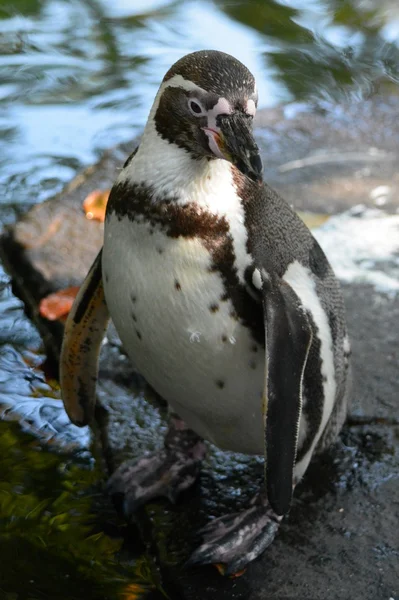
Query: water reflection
(54,540)
(326,48)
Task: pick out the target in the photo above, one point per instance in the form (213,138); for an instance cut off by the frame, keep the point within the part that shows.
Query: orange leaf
(134,591)
(222,570)
(57,305)
(95,204)
(238,574)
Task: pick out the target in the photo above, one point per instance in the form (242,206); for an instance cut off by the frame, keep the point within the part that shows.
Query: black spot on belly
(138,334)
(234,315)
(177,285)
(317,261)
(106,277)
(214,307)
(133,298)
(252,364)
(134,317)
(160,251)
(224,338)
(220,383)
(224,297)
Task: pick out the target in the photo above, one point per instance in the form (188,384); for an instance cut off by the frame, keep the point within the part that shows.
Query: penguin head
(206,105)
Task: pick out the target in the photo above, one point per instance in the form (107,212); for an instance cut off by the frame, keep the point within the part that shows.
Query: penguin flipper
(288,340)
(84,331)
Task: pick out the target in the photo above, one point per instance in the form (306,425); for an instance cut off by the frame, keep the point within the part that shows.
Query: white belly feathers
(167,308)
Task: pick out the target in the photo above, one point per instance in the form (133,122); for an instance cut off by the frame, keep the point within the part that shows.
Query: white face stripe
(178,81)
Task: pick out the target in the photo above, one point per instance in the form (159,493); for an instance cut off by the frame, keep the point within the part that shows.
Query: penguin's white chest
(170,310)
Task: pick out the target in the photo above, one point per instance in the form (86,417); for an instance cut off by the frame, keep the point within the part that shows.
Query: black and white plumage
(221,296)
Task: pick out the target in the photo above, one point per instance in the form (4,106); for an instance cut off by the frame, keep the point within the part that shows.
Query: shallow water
(77,77)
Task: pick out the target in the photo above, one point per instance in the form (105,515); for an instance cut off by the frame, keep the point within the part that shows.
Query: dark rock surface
(341,538)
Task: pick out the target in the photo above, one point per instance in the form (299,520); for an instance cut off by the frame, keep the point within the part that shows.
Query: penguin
(223,300)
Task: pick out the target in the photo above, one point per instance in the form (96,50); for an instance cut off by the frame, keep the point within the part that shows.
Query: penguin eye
(195,108)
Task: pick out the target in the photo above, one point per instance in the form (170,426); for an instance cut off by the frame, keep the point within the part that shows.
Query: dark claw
(163,474)
(237,539)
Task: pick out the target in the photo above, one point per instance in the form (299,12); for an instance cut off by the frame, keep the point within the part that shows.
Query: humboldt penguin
(224,301)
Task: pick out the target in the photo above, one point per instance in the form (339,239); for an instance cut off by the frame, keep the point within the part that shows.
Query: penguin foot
(165,473)
(237,539)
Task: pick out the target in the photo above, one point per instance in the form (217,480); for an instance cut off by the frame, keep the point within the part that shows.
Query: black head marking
(175,124)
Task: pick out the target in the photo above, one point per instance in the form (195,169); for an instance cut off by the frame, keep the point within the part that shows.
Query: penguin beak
(233,140)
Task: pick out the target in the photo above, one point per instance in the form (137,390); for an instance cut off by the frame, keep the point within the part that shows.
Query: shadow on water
(75,78)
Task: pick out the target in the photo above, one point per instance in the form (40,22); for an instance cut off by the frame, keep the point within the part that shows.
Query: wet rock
(329,157)
(340,539)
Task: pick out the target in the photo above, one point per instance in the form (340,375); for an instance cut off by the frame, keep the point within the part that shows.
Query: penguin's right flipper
(84,332)
(289,337)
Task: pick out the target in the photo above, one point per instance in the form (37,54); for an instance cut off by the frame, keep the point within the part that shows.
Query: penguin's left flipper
(237,539)
(288,340)
(84,331)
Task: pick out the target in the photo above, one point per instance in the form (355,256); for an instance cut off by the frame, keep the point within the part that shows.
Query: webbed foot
(165,473)
(237,539)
